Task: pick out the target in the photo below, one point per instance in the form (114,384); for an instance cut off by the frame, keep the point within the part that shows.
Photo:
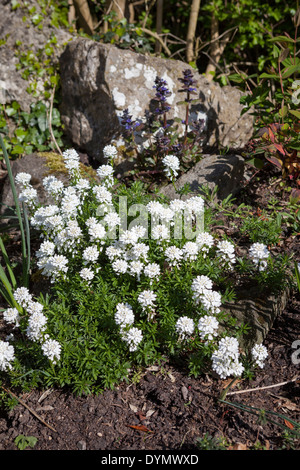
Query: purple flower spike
(188,83)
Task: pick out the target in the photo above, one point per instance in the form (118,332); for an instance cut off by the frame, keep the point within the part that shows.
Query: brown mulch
(164,409)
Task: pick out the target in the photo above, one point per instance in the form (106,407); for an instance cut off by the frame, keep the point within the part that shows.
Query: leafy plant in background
(24,133)
(276,107)
(124,34)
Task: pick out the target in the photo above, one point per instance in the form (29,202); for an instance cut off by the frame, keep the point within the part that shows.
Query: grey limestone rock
(215,171)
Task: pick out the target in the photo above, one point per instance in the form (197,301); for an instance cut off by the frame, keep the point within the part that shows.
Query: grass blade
(18,211)
(8,265)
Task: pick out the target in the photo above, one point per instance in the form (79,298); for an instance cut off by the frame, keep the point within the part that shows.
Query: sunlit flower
(147,299)
(208,326)
(185,327)
(7,355)
(52,350)
(172,165)
(11,315)
(124,315)
(259,354)
(133,337)
(259,254)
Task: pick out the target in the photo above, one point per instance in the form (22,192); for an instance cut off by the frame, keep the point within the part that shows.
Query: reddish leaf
(271,135)
(275,161)
(288,424)
(279,148)
(140,428)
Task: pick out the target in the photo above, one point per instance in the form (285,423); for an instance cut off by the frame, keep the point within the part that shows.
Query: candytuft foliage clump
(121,264)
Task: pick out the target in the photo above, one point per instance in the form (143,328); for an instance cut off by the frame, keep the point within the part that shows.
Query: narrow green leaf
(8,265)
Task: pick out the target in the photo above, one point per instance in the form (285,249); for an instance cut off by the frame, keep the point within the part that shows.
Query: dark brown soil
(164,409)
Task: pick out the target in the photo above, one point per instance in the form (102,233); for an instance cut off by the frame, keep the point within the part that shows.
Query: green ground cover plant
(118,282)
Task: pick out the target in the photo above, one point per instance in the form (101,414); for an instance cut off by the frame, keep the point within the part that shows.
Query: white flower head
(172,165)
(152,270)
(52,350)
(90,254)
(208,326)
(199,285)
(190,251)
(23,179)
(87,274)
(147,299)
(120,266)
(7,355)
(110,152)
(105,174)
(185,327)
(11,315)
(124,315)
(225,360)
(259,354)
(173,255)
(133,338)
(211,301)
(22,296)
(259,254)
(29,196)
(205,241)
(225,250)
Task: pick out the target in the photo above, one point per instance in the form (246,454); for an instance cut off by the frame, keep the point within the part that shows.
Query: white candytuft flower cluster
(208,327)
(259,354)
(72,163)
(173,255)
(259,254)
(36,329)
(7,355)
(12,316)
(132,337)
(124,318)
(185,327)
(172,165)
(87,274)
(52,349)
(225,250)
(205,242)
(110,152)
(226,359)
(147,299)
(105,174)
(124,315)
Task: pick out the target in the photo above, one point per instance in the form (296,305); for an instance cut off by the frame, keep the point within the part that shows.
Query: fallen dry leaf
(288,424)
(139,428)
(133,408)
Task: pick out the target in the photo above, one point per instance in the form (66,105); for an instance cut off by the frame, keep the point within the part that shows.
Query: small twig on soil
(28,408)
(262,388)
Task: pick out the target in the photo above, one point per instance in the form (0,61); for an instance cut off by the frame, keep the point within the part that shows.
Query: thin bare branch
(28,408)
(263,388)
